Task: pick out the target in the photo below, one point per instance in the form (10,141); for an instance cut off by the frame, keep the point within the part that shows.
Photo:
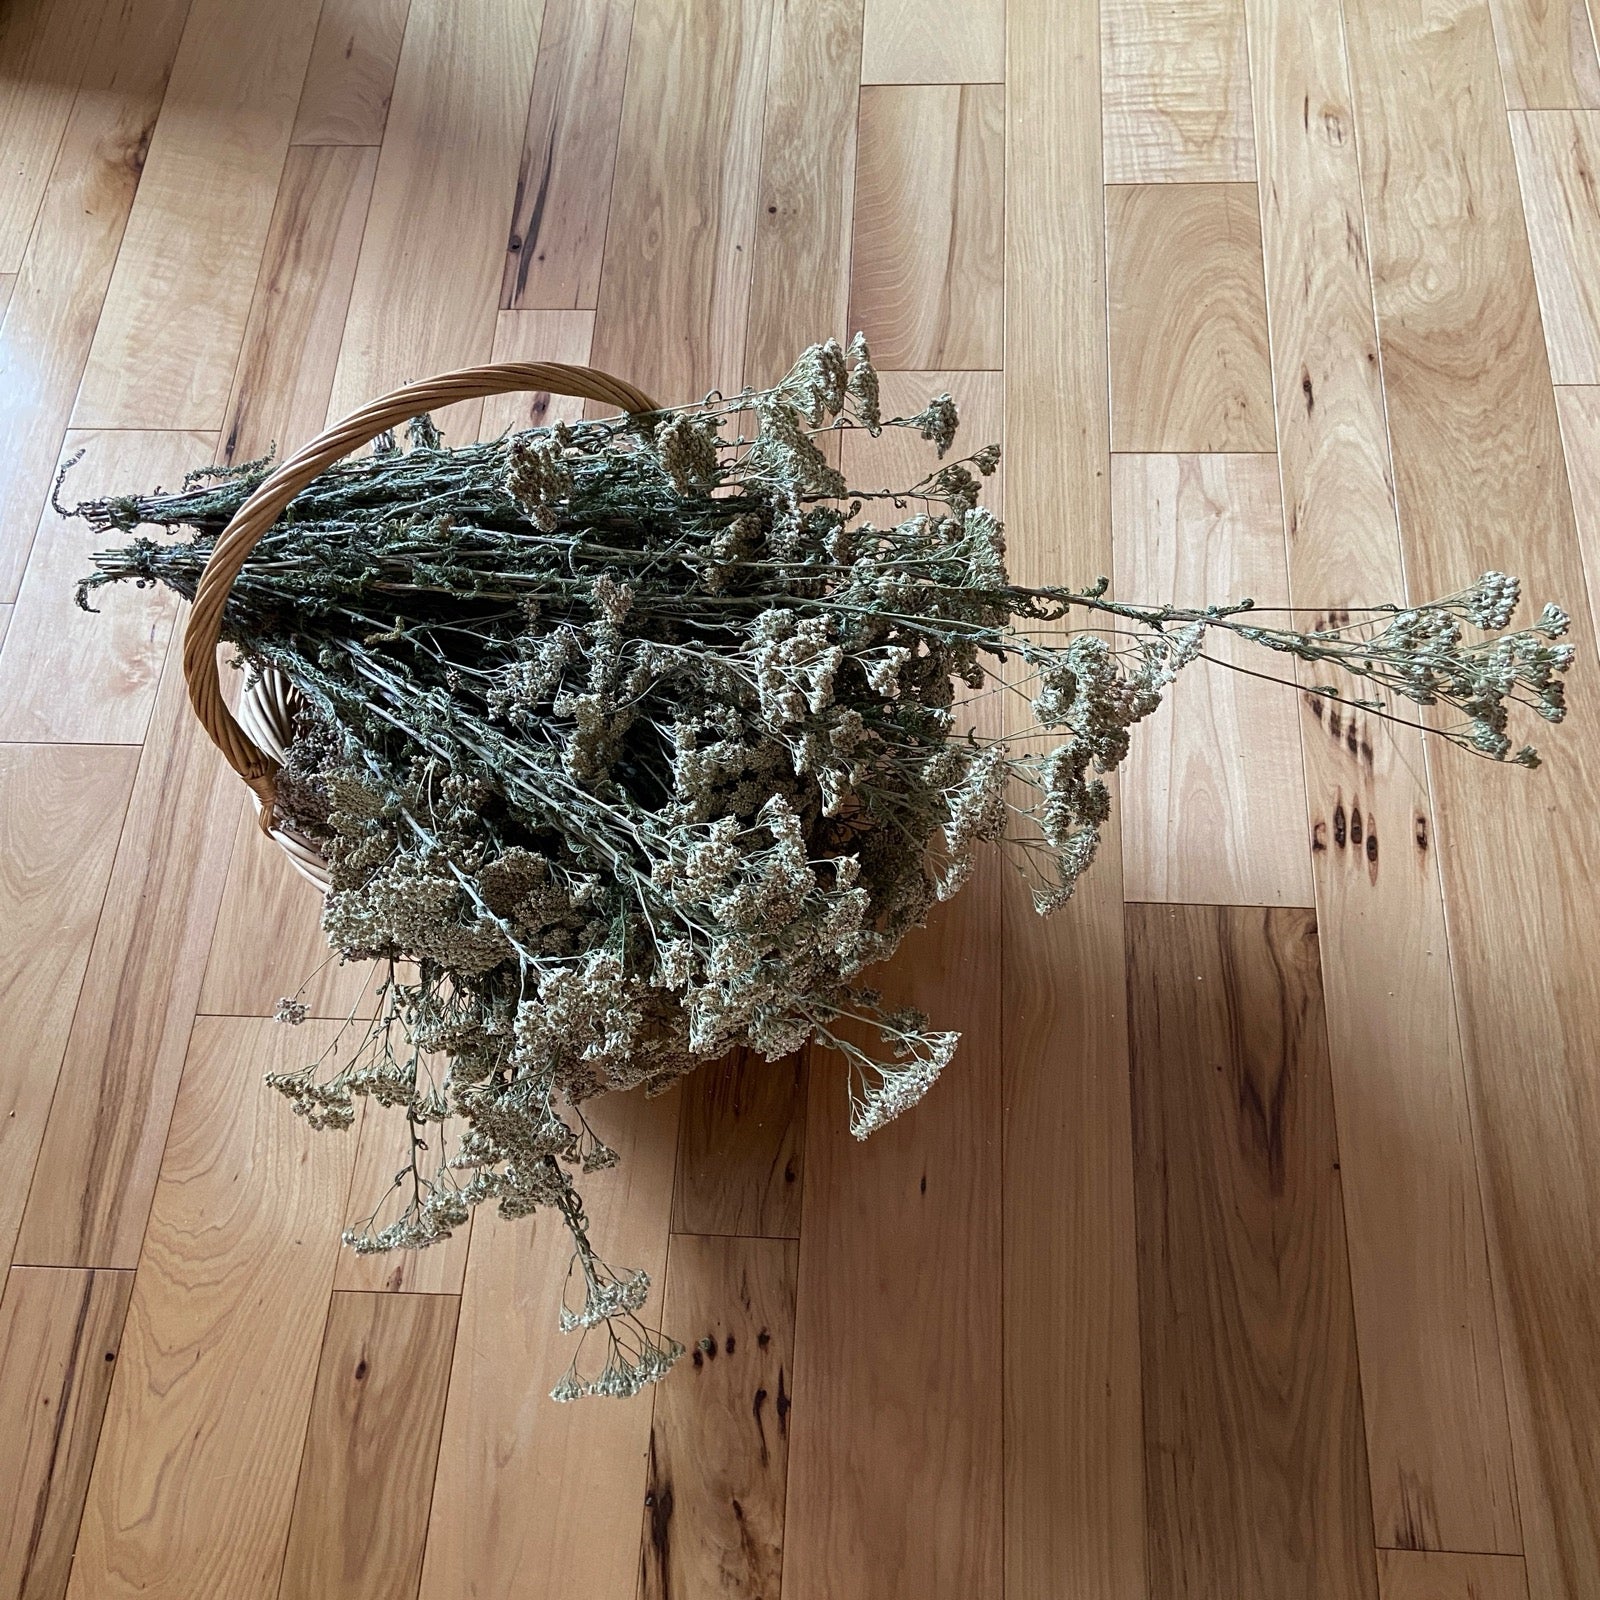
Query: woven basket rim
(256,752)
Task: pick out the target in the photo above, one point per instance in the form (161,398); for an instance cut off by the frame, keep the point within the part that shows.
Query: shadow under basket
(254,743)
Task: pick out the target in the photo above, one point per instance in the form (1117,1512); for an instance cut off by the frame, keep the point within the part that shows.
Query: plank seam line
(771,1238)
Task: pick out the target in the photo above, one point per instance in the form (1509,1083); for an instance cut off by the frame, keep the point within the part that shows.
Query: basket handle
(279,487)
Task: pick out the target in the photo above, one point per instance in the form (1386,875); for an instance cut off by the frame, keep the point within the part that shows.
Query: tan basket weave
(254,743)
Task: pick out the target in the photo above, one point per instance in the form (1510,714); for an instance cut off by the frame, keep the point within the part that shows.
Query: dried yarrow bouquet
(639,739)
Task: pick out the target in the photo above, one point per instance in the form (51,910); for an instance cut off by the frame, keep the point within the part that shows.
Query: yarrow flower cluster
(631,741)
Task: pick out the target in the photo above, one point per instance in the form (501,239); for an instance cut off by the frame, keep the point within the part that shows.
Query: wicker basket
(254,744)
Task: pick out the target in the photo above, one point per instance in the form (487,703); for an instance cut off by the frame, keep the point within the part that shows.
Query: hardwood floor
(1249,1249)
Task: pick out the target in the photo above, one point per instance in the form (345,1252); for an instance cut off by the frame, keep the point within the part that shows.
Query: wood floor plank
(1438,1443)
(1332,441)
(1074,1490)
(102,1145)
(800,281)
(1176,94)
(926,277)
(1477,458)
(1434,1396)
(62,282)
(675,288)
(867,1218)
(8,282)
(741,1150)
(44,48)
(384,1141)
(537,336)
(719,1438)
(194,1480)
(291,341)
(558,227)
(175,311)
(1189,364)
(741,1153)
(74,676)
(1558,158)
(5,623)
(427,281)
(61,809)
(934,41)
(280,400)
(898,458)
(1213,796)
(913,1503)
(268,940)
(1580,432)
(345,99)
(59,1333)
(1442,1575)
(1547,53)
(532,1496)
(1254,1456)
(361,1503)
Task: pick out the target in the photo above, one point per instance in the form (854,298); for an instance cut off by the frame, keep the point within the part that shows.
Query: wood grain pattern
(59,1333)
(1213,799)
(425,287)
(246,973)
(1580,432)
(361,1507)
(1547,53)
(537,336)
(926,270)
(175,310)
(1477,459)
(43,50)
(102,1144)
(384,1140)
(1074,1487)
(350,76)
(1438,1438)
(800,281)
(1438,1443)
(62,282)
(719,1438)
(741,1146)
(558,227)
(74,675)
(1332,442)
(741,1150)
(1558,156)
(913,1503)
(987,1330)
(1442,1575)
(870,1220)
(676,282)
(1189,363)
(530,1495)
(1176,95)
(898,458)
(1254,1456)
(291,341)
(8,281)
(194,1481)
(934,41)
(268,938)
(61,810)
